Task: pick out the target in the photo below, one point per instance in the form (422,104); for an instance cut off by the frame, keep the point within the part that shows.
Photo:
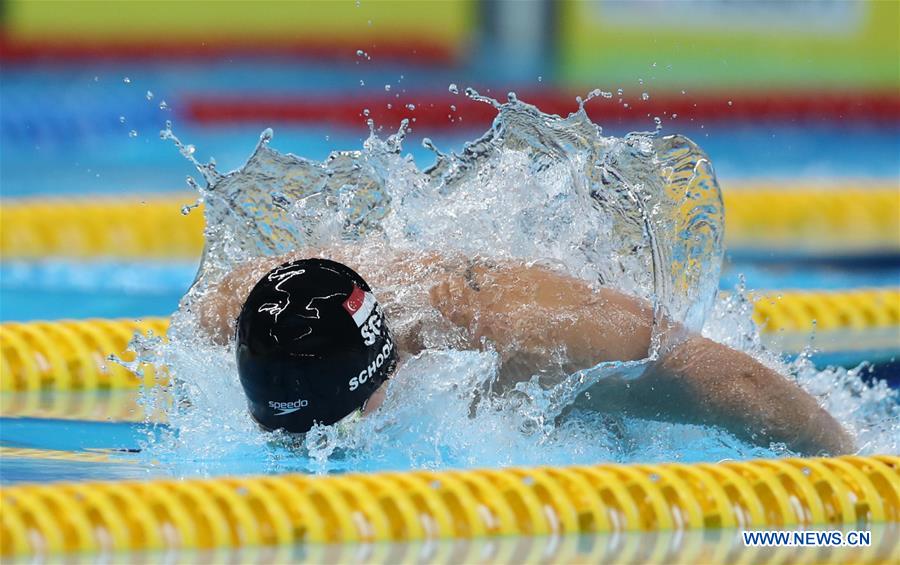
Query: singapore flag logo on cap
(359,305)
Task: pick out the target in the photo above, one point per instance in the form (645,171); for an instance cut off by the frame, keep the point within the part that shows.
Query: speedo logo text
(288,407)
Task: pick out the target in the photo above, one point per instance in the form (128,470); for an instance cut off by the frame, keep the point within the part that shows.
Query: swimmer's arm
(529,313)
(704,382)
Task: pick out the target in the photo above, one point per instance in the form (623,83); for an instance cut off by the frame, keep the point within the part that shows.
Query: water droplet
(410,106)
(653,65)
(640,81)
(658,122)
(362,82)
(96,79)
(511,97)
(126,80)
(452,107)
(674,116)
(149,95)
(360,53)
(133,133)
(390,106)
(453,88)
(387,88)
(365,112)
(163,105)
(540,78)
(645,96)
(121,119)
(620,92)
(730,103)
(625,105)
(683,92)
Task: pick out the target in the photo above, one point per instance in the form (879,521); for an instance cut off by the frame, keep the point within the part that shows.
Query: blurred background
(796,102)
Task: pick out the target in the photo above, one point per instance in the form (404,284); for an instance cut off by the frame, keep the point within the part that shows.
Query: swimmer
(313,344)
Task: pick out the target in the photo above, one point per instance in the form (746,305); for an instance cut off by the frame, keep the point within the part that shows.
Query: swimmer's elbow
(824,437)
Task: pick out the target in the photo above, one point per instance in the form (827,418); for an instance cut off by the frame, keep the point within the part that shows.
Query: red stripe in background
(434,111)
(412,51)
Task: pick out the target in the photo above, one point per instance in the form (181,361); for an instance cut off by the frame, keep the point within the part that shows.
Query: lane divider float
(73,354)
(814,219)
(233,512)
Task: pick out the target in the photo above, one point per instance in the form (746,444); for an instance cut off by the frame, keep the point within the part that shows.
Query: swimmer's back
(446,300)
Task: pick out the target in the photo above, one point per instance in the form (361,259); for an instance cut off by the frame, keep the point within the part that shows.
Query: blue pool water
(62,134)
(113,163)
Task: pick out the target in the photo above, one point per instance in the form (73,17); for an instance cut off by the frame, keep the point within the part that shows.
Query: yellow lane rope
(138,228)
(830,219)
(72,355)
(83,405)
(417,505)
(662,547)
(802,311)
(99,456)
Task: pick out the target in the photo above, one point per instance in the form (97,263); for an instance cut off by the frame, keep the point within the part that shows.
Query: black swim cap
(312,345)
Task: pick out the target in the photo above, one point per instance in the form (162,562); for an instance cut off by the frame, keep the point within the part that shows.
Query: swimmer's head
(312,345)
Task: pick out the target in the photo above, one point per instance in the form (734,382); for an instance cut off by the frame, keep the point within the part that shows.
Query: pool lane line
(74,354)
(145,227)
(232,512)
(86,405)
(88,456)
(798,219)
(412,51)
(433,111)
(708,547)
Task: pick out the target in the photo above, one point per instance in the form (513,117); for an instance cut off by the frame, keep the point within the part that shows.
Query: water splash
(641,213)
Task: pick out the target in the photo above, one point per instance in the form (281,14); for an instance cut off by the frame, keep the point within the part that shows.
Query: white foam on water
(642,213)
